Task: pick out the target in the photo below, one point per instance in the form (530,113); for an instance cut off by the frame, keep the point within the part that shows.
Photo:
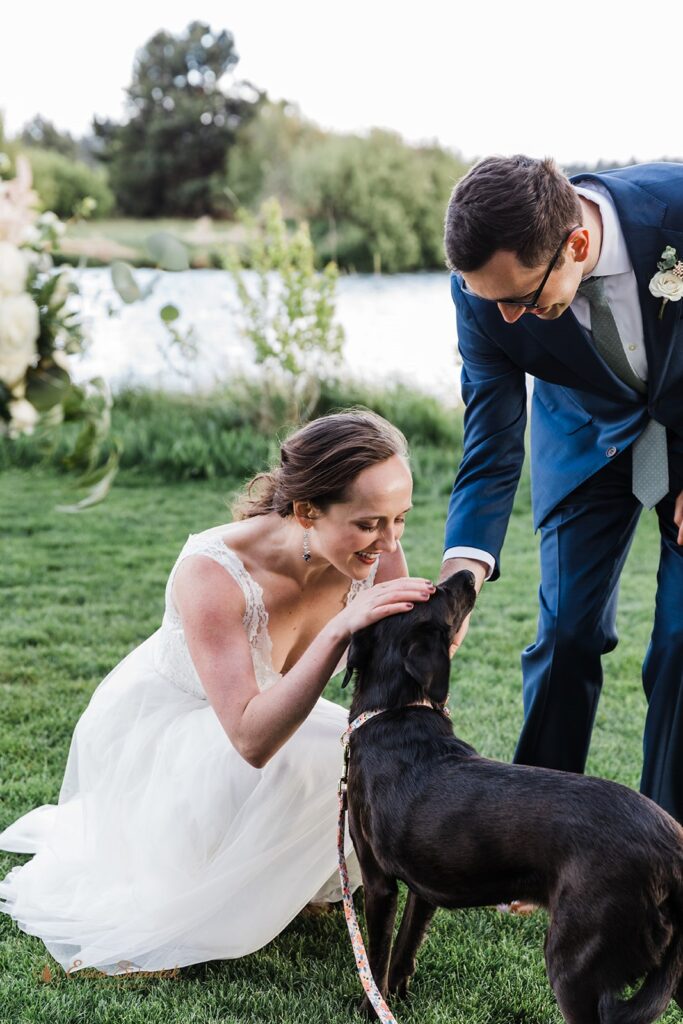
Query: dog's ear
(357,654)
(426,661)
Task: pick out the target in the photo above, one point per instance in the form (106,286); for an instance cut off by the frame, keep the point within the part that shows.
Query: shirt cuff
(476,553)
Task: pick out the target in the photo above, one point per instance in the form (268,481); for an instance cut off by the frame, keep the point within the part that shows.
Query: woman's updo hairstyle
(319,461)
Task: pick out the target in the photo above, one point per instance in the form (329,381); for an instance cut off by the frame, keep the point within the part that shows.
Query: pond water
(397,328)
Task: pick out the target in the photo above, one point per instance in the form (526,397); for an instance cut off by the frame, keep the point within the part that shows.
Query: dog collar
(365,716)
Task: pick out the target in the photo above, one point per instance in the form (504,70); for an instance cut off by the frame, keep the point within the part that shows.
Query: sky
(580,82)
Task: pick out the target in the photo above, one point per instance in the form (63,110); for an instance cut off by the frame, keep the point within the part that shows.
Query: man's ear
(356,656)
(426,661)
(579,244)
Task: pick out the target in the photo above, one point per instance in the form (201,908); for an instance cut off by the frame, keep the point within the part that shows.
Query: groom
(551,278)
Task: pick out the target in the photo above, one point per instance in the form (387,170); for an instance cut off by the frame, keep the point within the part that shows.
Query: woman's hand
(383,599)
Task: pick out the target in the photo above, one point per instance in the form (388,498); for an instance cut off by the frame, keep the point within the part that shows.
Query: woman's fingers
(406,586)
(401,595)
(384,611)
(388,598)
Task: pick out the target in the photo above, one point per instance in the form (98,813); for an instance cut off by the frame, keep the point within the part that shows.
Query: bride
(197,815)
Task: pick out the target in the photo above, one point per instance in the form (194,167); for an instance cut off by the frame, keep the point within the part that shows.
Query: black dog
(463,831)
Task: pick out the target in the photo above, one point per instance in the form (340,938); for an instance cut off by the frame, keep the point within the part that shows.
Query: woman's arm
(258,723)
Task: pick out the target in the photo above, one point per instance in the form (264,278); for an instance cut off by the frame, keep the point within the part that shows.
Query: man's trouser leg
(584,544)
(662,778)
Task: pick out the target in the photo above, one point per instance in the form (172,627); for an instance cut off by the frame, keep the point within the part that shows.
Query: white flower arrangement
(667,283)
(38,327)
(40,332)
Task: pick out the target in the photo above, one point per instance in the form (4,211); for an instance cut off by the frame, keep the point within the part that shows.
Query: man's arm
(494,392)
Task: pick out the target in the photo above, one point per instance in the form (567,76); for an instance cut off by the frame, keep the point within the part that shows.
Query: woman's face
(353,534)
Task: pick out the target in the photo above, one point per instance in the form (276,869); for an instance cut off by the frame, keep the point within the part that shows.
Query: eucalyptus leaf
(47,386)
(167,251)
(124,281)
(96,475)
(169,313)
(99,492)
(74,401)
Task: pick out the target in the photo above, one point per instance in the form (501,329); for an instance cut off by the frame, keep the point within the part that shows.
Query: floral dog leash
(364,973)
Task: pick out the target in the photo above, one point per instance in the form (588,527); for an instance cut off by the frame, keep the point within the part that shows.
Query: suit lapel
(645,249)
(566,339)
(641,215)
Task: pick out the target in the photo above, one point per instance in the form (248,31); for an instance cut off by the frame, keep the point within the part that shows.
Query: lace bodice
(171,654)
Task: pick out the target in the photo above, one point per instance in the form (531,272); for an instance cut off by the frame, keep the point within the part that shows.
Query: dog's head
(404,657)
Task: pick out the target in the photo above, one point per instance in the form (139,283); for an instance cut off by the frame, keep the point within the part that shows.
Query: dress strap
(255,614)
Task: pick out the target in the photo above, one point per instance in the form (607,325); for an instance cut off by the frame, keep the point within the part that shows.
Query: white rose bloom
(13,269)
(667,285)
(19,330)
(31,235)
(24,417)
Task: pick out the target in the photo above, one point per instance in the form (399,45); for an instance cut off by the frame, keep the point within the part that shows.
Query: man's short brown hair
(514,203)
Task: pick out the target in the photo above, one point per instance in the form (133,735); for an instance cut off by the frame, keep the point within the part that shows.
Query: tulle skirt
(167,848)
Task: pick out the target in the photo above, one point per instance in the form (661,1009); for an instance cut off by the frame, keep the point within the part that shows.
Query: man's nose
(510,313)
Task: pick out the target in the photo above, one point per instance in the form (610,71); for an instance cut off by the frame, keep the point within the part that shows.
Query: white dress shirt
(621,292)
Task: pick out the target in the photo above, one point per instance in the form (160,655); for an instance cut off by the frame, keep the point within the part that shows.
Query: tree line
(196,140)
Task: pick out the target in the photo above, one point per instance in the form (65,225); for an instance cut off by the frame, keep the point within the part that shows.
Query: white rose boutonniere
(667,283)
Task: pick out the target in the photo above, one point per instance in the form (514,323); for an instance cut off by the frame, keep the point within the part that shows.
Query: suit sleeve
(494,392)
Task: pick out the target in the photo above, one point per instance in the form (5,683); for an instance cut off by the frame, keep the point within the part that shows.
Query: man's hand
(480,569)
(678,517)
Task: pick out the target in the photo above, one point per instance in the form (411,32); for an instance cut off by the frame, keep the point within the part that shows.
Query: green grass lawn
(78,592)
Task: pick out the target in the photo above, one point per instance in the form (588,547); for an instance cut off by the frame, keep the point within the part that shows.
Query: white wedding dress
(167,848)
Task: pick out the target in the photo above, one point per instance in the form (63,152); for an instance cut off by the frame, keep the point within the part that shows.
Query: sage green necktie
(650,473)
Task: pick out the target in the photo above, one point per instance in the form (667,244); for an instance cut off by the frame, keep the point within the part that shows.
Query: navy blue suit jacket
(580,410)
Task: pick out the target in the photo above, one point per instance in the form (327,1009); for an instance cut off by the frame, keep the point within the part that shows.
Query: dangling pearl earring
(307,546)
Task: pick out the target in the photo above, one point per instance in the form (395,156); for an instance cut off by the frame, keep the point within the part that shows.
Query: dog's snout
(459,582)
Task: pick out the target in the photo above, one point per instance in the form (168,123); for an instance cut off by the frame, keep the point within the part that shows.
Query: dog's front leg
(380,894)
(414,923)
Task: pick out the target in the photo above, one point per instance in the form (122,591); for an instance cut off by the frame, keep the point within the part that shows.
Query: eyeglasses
(532,303)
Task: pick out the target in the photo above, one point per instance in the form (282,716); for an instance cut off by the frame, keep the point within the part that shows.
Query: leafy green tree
(260,164)
(183,117)
(375,202)
(43,133)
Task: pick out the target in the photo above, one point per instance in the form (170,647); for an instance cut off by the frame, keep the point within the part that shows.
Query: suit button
(611,452)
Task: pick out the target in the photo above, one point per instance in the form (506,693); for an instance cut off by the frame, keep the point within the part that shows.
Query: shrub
(62,184)
(178,437)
